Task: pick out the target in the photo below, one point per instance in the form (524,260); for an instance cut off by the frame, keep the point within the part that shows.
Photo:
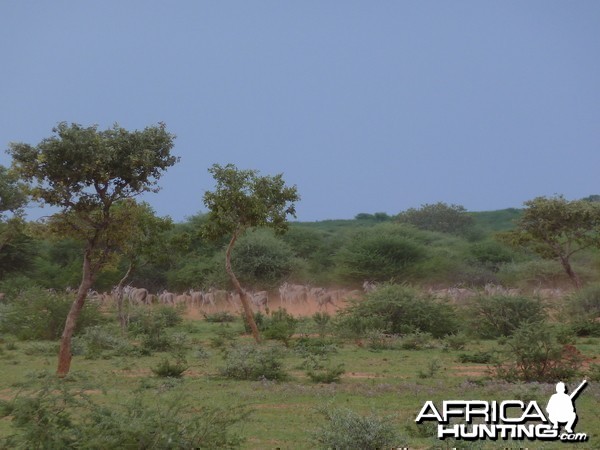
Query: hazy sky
(366,106)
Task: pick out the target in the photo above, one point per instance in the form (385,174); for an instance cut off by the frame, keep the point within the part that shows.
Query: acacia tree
(86,172)
(440,217)
(242,200)
(556,228)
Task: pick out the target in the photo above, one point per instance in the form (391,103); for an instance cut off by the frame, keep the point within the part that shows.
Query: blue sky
(366,106)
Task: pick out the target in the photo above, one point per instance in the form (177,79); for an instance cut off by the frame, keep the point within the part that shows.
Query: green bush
(348,430)
(280,326)
(36,314)
(534,353)
(416,341)
(380,253)
(58,417)
(252,362)
(481,357)
(152,325)
(583,309)
(322,322)
(395,309)
(326,374)
(167,369)
(262,258)
(305,346)
(219,317)
(102,341)
(497,316)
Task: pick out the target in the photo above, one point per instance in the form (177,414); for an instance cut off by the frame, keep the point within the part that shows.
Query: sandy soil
(300,309)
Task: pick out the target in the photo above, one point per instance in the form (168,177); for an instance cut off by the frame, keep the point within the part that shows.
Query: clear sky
(366,106)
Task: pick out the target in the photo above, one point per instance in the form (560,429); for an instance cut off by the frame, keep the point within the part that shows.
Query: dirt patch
(468,371)
(300,309)
(360,375)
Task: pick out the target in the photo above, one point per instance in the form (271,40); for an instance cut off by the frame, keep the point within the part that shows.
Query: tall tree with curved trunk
(87,173)
(556,228)
(241,200)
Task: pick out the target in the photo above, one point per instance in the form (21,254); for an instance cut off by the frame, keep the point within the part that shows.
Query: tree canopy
(243,199)
(87,173)
(556,228)
(440,217)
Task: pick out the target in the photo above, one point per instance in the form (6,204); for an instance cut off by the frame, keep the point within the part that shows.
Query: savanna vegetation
(436,303)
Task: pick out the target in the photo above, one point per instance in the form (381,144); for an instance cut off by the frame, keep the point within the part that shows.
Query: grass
(284,414)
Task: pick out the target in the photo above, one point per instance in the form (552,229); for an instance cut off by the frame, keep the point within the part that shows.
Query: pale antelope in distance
(293,293)
(167,298)
(182,299)
(197,298)
(323,298)
(260,299)
(136,296)
(369,286)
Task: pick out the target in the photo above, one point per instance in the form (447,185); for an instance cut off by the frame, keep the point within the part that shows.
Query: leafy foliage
(243,199)
(250,362)
(262,259)
(535,353)
(498,315)
(346,429)
(36,314)
(440,217)
(556,228)
(56,416)
(397,309)
(380,253)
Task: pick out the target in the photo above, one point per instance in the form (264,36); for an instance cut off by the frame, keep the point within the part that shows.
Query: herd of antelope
(211,299)
(290,295)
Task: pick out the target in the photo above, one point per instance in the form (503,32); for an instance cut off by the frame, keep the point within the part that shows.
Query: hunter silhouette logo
(560,407)
(509,419)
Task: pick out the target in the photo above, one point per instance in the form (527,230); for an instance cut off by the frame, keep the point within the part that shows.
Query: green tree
(86,173)
(242,200)
(15,246)
(379,253)
(262,259)
(440,217)
(556,228)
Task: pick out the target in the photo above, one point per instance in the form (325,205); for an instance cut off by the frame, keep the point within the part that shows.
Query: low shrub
(455,341)
(280,326)
(378,340)
(330,374)
(219,317)
(417,341)
(36,314)
(396,309)
(482,357)
(322,322)
(432,369)
(252,362)
(167,369)
(56,416)
(534,353)
(102,341)
(498,315)
(346,429)
(305,346)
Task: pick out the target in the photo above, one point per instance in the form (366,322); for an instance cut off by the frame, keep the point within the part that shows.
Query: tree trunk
(570,272)
(243,297)
(64,354)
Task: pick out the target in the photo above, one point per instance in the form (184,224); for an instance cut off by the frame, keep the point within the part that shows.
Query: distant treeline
(436,246)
